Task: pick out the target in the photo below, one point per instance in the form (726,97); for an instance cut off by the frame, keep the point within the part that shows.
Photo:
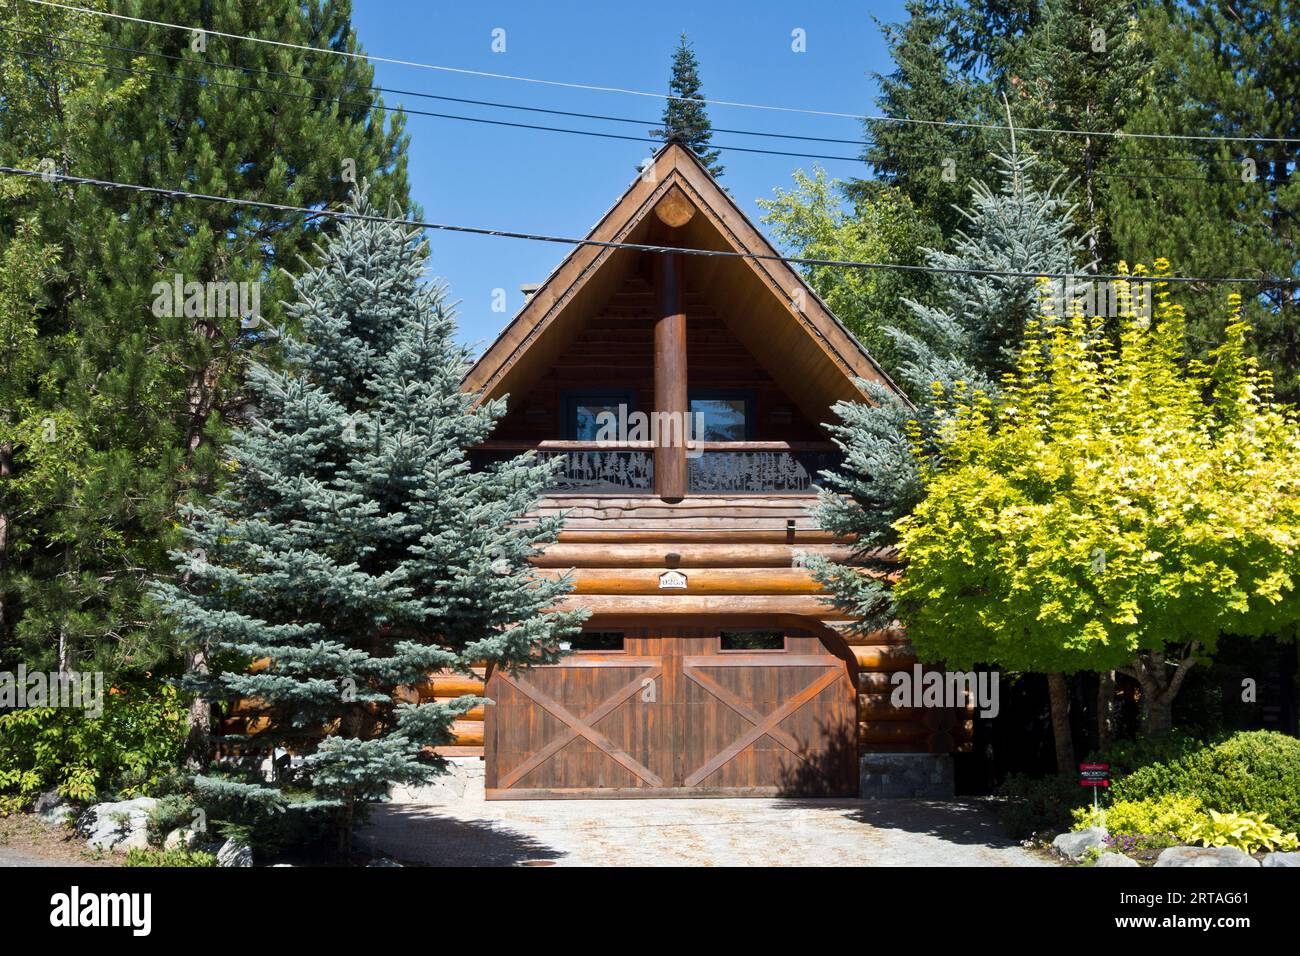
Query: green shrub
(172,812)
(128,749)
(1254,771)
(1039,805)
(1172,815)
(1245,831)
(179,857)
(1126,756)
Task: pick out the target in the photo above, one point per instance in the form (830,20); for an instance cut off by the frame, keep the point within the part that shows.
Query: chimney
(529,289)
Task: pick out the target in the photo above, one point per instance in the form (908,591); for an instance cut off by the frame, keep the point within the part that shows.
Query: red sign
(1094,775)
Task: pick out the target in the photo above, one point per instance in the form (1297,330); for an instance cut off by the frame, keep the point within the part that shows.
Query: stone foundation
(926,776)
(462,781)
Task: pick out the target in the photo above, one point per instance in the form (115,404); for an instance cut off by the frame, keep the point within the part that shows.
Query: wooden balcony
(721,468)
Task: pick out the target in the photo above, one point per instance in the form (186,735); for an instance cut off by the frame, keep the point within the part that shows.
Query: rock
(52,808)
(1116,859)
(1076,843)
(181,838)
(117,826)
(234,853)
(1205,856)
(1282,859)
(384,862)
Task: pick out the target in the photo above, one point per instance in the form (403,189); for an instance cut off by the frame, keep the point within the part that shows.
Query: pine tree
(138,400)
(353,549)
(959,346)
(933,165)
(1227,207)
(685,118)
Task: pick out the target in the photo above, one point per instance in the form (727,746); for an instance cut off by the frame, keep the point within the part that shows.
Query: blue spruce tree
(962,342)
(353,550)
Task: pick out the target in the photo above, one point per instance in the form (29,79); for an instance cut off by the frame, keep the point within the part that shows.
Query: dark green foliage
(137,857)
(1040,805)
(686,119)
(933,165)
(137,401)
(1254,771)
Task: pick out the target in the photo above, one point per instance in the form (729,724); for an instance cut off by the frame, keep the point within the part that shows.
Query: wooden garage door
(676,713)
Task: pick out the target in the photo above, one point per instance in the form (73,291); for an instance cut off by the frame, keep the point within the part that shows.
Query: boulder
(234,853)
(117,826)
(1075,844)
(1205,856)
(51,807)
(181,838)
(1282,859)
(383,862)
(1116,859)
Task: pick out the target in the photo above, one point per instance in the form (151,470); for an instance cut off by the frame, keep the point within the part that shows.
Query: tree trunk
(1058,693)
(346,818)
(1160,686)
(1105,709)
(198,736)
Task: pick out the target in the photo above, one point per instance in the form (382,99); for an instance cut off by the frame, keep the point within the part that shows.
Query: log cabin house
(712,664)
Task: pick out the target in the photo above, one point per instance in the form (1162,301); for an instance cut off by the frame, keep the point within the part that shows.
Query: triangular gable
(774,312)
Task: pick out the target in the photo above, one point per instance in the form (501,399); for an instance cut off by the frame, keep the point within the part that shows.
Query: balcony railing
(735,468)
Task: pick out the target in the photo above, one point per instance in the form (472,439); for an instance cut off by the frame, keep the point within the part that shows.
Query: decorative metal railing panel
(601,472)
(765,472)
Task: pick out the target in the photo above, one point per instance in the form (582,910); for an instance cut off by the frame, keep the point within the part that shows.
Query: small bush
(172,812)
(1172,816)
(1039,805)
(173,858)
(1254,772)
(1245,831)
(134,744)
(1126,756)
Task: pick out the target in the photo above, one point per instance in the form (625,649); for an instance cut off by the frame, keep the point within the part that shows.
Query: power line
(662,96)
(344,215)
(251,71)
(203,81)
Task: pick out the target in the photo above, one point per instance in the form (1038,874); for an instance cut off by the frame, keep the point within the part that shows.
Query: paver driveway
(749,832)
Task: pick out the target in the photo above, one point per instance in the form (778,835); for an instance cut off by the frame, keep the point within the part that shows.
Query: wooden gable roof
(766,302)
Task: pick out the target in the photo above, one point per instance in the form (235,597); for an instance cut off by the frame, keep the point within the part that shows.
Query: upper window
(582,411)
(727,416)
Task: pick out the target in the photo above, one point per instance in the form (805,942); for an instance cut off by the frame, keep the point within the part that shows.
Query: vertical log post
(670,378)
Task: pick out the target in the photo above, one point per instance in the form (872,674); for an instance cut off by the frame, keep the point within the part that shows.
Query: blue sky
(560,184)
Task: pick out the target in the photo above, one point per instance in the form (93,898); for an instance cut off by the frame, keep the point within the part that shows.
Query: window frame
(571,398)
(746,395)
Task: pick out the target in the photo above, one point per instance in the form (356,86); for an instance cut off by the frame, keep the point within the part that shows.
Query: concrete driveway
(749,832)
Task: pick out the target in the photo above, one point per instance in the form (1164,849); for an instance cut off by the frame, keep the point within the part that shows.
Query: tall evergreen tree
(961,344)
(353,548)
(932,165)
(685,117)
(1226,207)
(138,399)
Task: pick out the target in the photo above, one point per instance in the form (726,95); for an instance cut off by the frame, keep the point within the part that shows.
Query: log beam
(670,377)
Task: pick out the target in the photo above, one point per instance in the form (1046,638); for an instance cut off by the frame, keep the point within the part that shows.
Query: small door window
(753,641)
(589,641)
